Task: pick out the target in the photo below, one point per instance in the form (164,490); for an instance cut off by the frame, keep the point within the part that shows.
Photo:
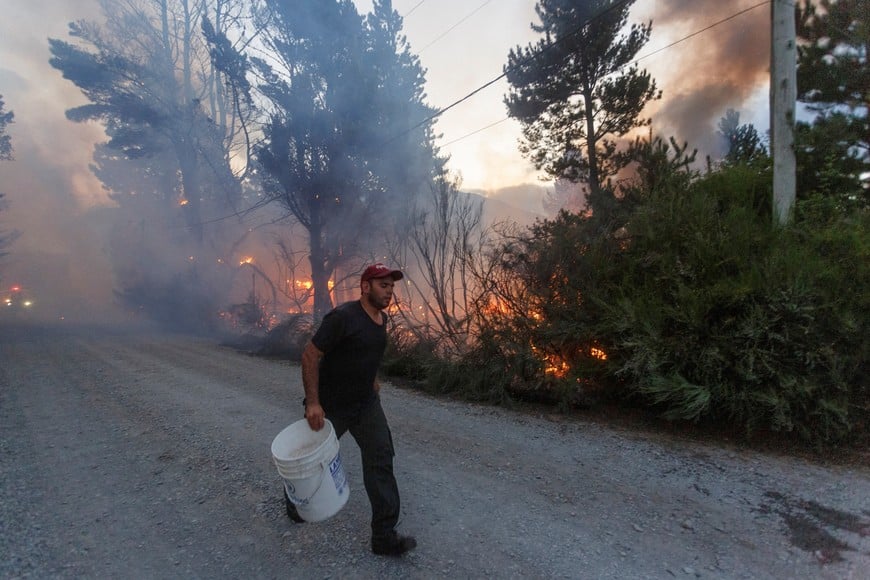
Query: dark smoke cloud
(725,67)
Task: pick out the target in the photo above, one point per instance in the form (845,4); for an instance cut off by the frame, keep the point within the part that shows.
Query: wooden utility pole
(783,94)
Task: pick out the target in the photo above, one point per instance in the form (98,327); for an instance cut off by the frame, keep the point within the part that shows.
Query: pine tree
(6,118)
(575,91)
(148,80)
(743,142)
(341,147)
(833,150)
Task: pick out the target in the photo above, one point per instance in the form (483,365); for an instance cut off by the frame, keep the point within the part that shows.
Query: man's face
(379,291)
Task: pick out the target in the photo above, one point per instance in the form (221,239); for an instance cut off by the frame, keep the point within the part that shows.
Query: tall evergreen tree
(6,118)
(339,149)
(412,162)
(833,150)
(575,91)
(148,79)
(743,143)
(143,74)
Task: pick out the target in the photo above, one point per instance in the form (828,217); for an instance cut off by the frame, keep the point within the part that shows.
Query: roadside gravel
(146,455)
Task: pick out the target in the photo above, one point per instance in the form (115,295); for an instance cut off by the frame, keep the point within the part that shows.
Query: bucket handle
(319,485)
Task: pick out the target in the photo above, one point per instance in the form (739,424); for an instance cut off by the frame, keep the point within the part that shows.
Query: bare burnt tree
(291,266)
(446,232)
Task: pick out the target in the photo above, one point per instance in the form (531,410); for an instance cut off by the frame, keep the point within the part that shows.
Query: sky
(463,44)
(724,67)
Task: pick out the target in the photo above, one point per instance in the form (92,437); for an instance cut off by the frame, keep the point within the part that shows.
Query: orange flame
(556,366)
(496,306)
(559,368)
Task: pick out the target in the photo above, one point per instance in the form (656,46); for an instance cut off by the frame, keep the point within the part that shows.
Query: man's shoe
(393,544)
(291,510)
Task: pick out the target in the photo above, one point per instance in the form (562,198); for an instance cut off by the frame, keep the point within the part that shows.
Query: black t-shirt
(353,345)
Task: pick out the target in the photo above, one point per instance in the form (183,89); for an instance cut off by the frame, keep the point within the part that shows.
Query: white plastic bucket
(309,462)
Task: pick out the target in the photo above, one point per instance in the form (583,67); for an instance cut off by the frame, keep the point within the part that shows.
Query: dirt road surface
(144,455)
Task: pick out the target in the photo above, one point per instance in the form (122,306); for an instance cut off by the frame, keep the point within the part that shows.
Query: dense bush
(408,356)
(712,313)
(690,302)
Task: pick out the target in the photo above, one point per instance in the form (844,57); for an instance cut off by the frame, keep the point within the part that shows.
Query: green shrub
(408,355)
(705,310)
(711,313)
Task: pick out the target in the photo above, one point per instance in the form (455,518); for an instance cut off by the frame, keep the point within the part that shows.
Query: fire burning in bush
(558,367)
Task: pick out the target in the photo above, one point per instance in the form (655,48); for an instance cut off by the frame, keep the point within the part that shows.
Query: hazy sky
(724,67)
(458,61)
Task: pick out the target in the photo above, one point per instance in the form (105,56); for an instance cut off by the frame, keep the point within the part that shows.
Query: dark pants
(372,433)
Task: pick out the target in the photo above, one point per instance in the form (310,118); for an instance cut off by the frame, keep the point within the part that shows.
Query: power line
(449,30)
(605,11)
(671,45)
(238,213)
(408,13)
(475,132)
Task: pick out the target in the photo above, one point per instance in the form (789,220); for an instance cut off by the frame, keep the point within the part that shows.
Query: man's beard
(379,303)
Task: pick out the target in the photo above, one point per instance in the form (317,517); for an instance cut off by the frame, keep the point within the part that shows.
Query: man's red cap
(380,271)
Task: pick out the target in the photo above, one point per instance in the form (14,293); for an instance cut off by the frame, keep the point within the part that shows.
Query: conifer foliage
(576,92)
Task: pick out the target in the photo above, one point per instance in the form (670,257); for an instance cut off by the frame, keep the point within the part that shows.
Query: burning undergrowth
(288,338)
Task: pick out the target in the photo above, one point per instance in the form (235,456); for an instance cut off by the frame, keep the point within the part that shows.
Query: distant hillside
(495,211)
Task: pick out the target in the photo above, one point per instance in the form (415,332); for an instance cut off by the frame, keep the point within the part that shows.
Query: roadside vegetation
(676,292)
(691,305)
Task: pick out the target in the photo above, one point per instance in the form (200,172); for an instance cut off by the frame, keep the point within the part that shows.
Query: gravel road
(144,455)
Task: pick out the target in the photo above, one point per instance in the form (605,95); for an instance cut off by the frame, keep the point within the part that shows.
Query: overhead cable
(449,30)
(417,5)
(671,45)
(475,132)
(435,115)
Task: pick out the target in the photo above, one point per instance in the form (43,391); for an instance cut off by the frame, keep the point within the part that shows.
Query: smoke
(723,67)
(51,191)
(58,258)
(518,203)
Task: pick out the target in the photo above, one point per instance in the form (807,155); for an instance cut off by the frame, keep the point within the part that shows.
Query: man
(339,373)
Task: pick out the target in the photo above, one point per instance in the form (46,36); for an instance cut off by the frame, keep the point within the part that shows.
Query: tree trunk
(591,142)
(187,162)
(595,194)
(320,269)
